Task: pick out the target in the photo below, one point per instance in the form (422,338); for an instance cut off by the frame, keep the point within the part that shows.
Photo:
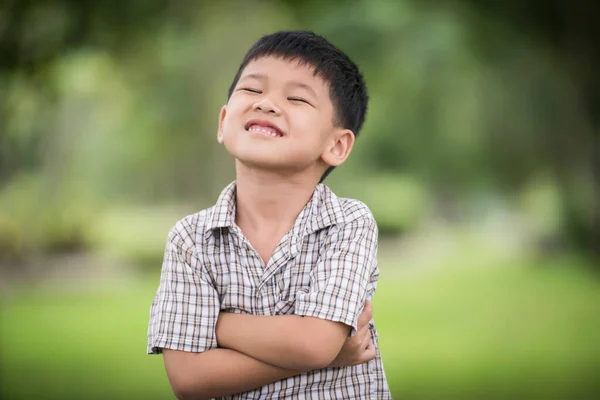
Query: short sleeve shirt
(324,267)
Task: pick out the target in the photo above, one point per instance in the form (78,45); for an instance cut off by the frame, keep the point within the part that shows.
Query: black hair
(347,88)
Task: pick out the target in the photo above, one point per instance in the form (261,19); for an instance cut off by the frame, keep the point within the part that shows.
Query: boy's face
(280,118)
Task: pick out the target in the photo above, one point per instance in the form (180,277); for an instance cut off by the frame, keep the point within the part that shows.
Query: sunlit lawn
(498,332)
(506,332)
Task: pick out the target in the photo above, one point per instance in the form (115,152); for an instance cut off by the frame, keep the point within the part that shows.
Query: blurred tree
(35,34)
(568,29)
(425,77)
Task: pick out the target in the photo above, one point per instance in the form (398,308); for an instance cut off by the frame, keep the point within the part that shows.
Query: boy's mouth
(263,127)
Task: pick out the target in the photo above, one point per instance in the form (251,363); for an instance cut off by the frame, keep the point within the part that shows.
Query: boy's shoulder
(193,227)
(354,209)
(190,229)
(342,210)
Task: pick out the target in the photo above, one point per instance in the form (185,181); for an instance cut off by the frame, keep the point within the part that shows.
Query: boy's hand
(358,349)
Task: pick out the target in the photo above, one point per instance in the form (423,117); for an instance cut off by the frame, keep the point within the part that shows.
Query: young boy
(265,294)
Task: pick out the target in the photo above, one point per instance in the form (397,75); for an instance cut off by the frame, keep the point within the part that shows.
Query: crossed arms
(260,350)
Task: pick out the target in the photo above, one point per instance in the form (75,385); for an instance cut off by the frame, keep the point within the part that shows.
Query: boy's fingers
(362,331)
(366,340)
(369,353)
(369,307)
(366,314)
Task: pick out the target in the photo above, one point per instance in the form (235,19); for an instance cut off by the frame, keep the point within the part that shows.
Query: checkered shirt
(324,267)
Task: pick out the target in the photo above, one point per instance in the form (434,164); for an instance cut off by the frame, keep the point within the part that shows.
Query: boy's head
(296,104)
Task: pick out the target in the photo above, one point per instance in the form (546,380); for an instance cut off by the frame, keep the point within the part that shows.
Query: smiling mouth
(264,128)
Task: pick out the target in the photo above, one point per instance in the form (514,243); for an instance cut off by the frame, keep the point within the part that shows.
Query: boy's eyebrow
(260,77)
(303,86)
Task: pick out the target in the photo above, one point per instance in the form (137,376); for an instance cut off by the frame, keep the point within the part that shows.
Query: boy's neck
(268,202)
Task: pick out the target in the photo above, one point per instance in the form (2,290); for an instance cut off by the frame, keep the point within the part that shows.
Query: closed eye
(299,99)
(251,90)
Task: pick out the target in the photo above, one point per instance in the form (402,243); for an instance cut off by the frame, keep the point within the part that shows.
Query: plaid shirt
(324,267)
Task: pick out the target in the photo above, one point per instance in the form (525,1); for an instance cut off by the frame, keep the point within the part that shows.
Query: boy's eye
(298,99)
(251,90)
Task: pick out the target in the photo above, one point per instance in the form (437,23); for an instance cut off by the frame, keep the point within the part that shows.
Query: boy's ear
(339,148)
(221,119)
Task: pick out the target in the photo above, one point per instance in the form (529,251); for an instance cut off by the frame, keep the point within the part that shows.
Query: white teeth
(270,132)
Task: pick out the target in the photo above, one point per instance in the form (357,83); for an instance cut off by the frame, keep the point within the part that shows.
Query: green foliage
(128,115)
(399,203)
(38,218)
(137,235)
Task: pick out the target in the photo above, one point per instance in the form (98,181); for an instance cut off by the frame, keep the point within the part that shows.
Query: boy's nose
(266,106)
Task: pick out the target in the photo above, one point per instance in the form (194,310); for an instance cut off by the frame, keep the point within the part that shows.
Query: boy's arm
(218,372)
(233,372)
(288,341)
(324,315)
(183,317)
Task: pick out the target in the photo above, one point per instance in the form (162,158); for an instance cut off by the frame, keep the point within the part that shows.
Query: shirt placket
(267,291)
(250,256)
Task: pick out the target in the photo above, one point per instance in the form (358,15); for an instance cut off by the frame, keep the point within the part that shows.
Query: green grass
(71,346)
(505,332)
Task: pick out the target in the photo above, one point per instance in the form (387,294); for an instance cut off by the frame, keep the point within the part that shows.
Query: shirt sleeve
(340,281)
(186,306)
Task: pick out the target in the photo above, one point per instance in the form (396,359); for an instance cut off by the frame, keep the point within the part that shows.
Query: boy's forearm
(219,372)
(287,341)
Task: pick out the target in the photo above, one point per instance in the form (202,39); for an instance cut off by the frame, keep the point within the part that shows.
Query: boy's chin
(264,164)
(275,166)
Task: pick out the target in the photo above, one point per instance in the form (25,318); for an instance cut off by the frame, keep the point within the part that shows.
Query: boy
(265,294)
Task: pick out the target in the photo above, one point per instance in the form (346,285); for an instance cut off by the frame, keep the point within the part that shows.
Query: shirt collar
(326,209)
(323,210)
(223,213)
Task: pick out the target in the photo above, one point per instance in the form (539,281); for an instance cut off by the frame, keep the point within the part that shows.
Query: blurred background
(479,159)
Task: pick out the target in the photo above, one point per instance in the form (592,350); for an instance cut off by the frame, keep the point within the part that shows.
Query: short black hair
(347,88)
